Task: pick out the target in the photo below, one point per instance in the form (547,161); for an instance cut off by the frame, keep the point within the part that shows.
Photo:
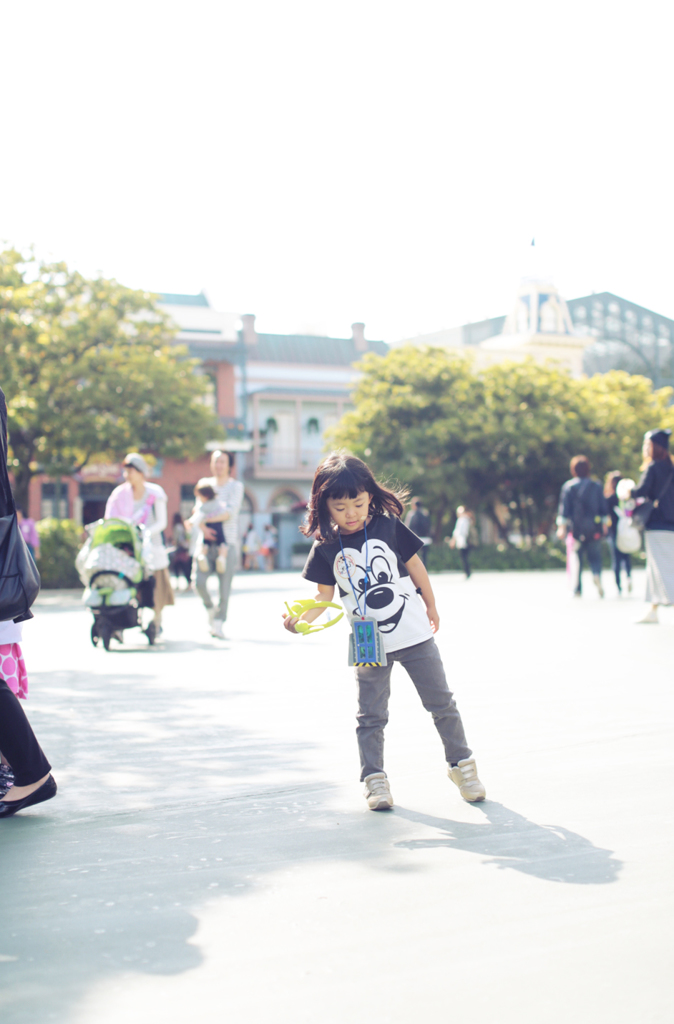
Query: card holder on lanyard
(366,647)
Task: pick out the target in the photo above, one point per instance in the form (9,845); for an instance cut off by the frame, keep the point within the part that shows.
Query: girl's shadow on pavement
(512,841)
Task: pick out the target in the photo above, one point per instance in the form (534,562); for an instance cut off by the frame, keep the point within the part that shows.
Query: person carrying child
(210,512)
(364,549)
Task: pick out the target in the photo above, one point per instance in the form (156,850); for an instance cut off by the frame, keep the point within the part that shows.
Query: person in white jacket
(145,504)
(461,537)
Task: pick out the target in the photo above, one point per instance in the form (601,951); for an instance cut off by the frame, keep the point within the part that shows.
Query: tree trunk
(22,478)
(501,530)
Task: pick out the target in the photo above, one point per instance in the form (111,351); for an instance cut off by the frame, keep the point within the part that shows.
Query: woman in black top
(618,558)
(656,485)
(26,773)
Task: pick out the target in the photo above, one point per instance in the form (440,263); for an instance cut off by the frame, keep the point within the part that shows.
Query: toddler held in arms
(210,513)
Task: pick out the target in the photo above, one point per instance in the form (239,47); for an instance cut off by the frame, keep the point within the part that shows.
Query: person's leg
(202,588)
(593,549)
(424,667)
(221,558)
(616,557)
(374,687)
(579,555)
(18,742)
(465,560)
(226,582)
(627,562)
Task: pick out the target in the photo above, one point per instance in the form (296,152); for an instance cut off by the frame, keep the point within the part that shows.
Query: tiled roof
(170,299)
(310,350)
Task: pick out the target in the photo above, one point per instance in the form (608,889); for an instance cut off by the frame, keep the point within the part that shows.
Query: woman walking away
(372,558)
(461,537)
(145,505)
(25,777)
(584,513)
(228,490)
(618,558)
(656,486)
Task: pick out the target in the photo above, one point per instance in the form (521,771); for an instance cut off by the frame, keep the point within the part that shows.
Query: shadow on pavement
(107,878)
(510,840)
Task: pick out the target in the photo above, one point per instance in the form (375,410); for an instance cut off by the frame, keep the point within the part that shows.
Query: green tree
(90,369)
(499,439)
(618,409)
(417,418)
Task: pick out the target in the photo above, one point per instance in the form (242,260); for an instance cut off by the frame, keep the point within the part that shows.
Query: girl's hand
(433,618)
(289,622)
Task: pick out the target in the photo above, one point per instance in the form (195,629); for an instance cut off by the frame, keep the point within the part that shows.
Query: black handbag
(19,578)
(643,512)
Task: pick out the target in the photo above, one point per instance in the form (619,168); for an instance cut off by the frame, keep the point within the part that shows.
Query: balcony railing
(273,461)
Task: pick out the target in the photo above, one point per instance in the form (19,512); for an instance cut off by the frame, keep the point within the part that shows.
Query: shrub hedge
(60,540)
(500,558)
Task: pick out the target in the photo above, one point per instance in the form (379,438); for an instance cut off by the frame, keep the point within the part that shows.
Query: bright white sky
(318,163)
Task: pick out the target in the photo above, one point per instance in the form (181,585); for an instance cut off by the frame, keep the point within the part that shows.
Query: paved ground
(210,856)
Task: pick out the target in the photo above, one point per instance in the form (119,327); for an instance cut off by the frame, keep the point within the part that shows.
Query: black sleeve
(407,542)
(646,487)
(317,569)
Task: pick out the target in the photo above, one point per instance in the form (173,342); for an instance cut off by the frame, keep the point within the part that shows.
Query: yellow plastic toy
(305,605)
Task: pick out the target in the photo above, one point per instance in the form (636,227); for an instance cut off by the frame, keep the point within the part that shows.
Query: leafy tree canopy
(498,439)
(90,369)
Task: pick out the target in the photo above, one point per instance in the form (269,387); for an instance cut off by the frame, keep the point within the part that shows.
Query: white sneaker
(629,584)
(597,582)
(216,629)
(202,562)
(650,616)
(378,792)
(220,564)
(465,777)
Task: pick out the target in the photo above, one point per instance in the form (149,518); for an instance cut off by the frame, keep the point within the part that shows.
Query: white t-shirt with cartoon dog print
(390,594)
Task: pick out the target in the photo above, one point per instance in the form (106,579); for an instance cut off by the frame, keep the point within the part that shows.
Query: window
(48,498)
(186,500)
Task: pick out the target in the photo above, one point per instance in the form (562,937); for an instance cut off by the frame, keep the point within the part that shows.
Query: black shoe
(46,791)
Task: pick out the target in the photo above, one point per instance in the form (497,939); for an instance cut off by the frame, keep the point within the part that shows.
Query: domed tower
(539,326)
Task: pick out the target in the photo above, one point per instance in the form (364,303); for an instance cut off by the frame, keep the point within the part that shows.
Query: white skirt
(660,566)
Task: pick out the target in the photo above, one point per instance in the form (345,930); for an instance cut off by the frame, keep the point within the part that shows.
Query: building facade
(275,394)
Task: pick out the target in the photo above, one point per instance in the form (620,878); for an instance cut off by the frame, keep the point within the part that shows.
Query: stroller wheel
(151,633)
(94,635)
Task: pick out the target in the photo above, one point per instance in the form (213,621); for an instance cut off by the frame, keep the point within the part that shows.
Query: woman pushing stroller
(144,504)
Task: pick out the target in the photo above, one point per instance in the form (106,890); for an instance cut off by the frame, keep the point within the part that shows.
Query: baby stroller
(118,580)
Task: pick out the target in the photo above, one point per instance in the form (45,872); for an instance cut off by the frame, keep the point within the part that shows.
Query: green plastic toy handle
(305,604)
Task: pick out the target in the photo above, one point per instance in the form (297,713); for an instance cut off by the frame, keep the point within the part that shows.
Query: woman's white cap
(138,462)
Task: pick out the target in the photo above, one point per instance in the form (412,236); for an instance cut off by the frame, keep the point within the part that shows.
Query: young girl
(365,550)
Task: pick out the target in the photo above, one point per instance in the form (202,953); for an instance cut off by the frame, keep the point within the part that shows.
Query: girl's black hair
(341,475)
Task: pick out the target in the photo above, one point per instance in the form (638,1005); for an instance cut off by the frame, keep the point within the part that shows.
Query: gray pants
(424,667)
(225,580)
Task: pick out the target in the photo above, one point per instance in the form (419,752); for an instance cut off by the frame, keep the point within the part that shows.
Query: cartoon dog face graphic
(385,601)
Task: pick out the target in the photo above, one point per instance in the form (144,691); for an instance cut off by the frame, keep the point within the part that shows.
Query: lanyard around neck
(348,573)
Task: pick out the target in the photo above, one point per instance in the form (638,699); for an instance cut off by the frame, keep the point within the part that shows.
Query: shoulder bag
(19,578)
